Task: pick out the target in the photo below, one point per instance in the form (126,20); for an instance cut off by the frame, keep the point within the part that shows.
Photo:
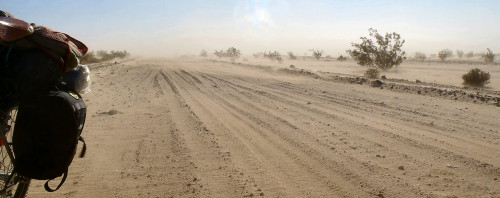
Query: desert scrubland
(193,127)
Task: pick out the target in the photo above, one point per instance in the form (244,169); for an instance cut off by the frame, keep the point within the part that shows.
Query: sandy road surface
(195,128)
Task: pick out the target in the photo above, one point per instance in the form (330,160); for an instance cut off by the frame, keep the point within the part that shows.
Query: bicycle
(40,73)
(12,30)
(8,179)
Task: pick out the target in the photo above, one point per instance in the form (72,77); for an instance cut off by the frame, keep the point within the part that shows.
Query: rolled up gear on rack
(65,49)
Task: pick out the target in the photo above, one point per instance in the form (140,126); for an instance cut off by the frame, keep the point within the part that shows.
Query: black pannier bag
(46,135)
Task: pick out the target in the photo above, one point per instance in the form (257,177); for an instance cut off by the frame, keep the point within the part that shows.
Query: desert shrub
(231,53)
(90,57)
(469,55)
(420,56)
(219,54)
(274,56)
(460,53)
(489,56)
(476,77)
(341,58)
(203,53)
(384,53)
(292,56)
(371,73)
(444,54)
(317,53)
(103,55)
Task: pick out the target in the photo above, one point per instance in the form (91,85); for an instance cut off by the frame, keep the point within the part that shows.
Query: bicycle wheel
(7,179)
(22,187)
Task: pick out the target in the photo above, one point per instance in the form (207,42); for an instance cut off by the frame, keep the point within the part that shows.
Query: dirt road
(195,128)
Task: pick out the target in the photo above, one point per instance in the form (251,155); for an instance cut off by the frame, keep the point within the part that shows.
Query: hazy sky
(167,27)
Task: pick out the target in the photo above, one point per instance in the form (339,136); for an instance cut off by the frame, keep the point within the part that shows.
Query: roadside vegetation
(372,73)
(377,52)
(383,54)
(489,57)
(274,56)
(292,56)
(103,55)
(317,53)
(420,56)
(231,53)
(460,53)
(444,54)
(476,77)
(341,58)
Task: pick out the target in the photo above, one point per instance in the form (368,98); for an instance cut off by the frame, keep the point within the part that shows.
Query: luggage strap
(65,175)
(48,189)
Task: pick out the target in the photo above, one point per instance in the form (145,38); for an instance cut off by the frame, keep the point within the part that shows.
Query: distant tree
(317,53)
(219,54)
(420,56)
(489,56)
(274,56)
(460,53)
(292,56)
(341,58)
(232,53)
(444,54)
(384,53)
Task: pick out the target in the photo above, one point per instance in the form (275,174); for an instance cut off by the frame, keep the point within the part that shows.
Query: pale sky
(167,27)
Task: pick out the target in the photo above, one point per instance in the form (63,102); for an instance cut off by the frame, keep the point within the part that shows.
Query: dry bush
(476,77)
(219,54)
(231,53)
(460,53)
(317,53)
(103,55)
(90,57)
(292,56)
(274,56)
(444,54)
(372,73)
(384,53)
(341,58)
(420,56)
(489,56)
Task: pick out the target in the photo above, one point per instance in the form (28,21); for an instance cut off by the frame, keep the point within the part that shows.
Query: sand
(204,128)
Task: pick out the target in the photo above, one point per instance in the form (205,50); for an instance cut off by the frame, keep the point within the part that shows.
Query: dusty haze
(166,122)
(166,28)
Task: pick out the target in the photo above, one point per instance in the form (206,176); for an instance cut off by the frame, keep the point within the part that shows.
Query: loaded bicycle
(42,114)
